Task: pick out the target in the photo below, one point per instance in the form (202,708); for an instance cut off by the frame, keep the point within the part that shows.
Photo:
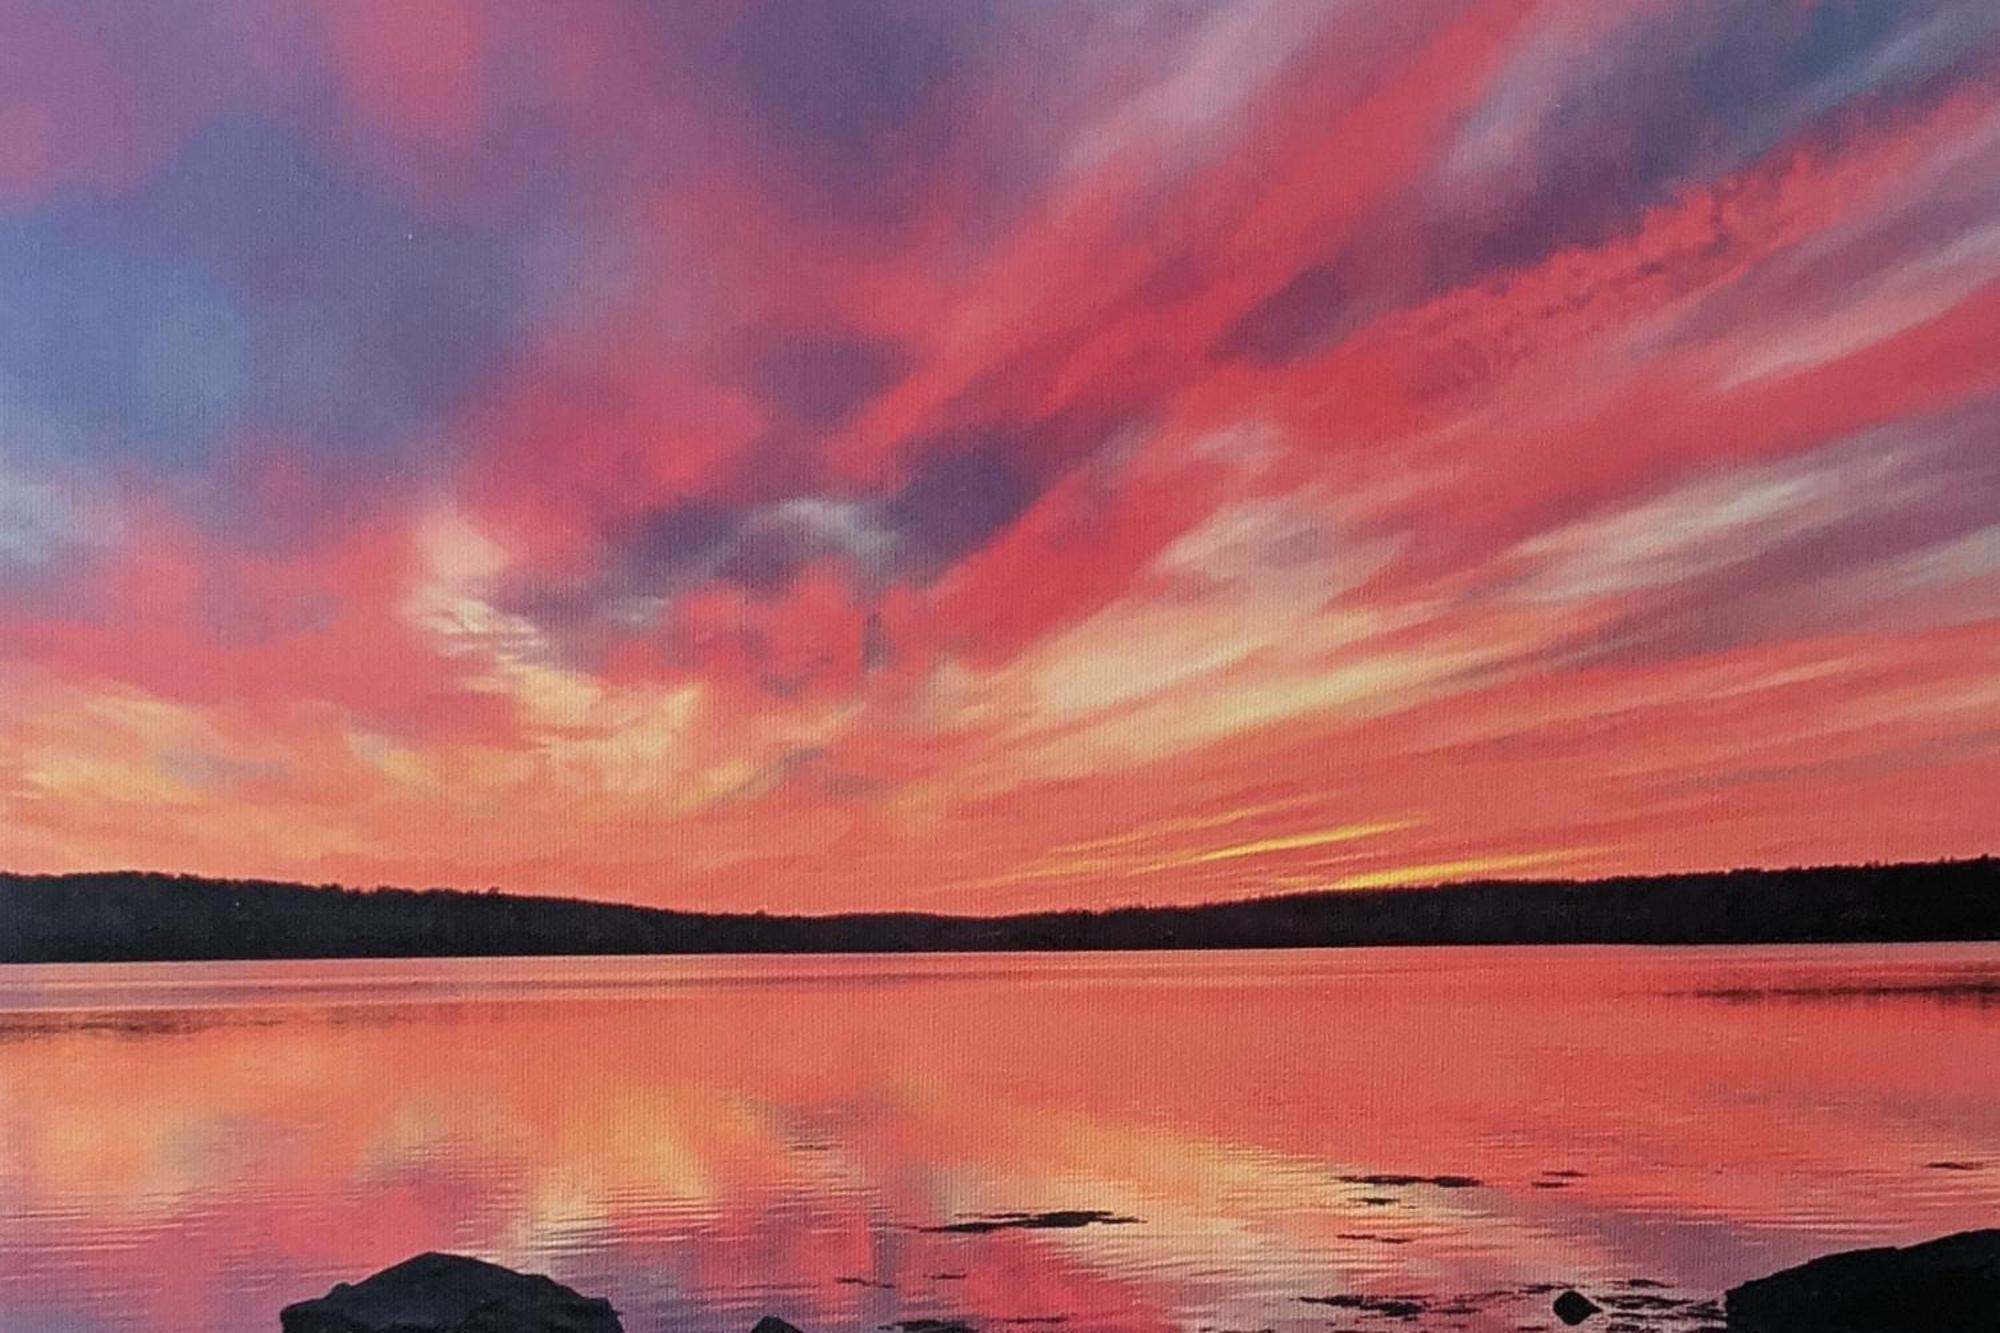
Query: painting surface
(976,459)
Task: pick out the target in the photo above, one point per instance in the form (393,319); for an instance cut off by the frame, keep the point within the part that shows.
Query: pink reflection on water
(706,1140)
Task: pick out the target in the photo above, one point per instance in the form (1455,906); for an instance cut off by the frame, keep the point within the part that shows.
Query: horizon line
(1498,881)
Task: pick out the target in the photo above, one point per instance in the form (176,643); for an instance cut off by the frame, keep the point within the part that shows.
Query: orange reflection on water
(706,1140)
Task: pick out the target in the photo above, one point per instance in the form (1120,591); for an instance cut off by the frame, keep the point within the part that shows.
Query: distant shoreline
(132,916)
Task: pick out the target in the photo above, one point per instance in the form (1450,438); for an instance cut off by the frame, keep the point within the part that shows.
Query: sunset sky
(975,456)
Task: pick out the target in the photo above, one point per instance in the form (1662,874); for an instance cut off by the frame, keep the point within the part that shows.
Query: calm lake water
(191,1146)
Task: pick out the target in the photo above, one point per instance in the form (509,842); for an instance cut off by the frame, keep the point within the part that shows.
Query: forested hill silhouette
(136,916)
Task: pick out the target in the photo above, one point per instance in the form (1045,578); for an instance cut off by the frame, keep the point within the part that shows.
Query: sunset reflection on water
(707,1140)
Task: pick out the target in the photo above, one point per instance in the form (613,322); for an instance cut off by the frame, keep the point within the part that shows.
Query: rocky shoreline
(1949,1285)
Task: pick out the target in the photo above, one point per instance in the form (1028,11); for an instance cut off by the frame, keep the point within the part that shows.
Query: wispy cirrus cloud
(837,456)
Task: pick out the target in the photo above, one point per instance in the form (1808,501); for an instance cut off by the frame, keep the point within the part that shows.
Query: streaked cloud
(1471,867)
(877,455)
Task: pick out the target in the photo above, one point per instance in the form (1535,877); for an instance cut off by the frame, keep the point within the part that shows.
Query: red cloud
(893,482)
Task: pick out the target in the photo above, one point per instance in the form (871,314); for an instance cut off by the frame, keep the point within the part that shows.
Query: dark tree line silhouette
(139,916)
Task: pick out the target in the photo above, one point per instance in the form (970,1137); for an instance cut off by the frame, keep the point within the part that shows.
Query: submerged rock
(1573,1307)
(1389,1307)
(448,1293)
(1058,1219)
(1942,1286)
(770,1323)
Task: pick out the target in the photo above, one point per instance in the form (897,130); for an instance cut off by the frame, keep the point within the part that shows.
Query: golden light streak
(1434,872)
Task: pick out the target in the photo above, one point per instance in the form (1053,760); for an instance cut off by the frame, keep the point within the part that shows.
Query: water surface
(1370,1139)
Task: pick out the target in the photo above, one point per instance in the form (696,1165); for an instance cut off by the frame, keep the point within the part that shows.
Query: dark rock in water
(1061,1218)
(448,1293)
(1389,1307)
(1391,1178)
(1573,1307)
(770,1323)
(1942,1286)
